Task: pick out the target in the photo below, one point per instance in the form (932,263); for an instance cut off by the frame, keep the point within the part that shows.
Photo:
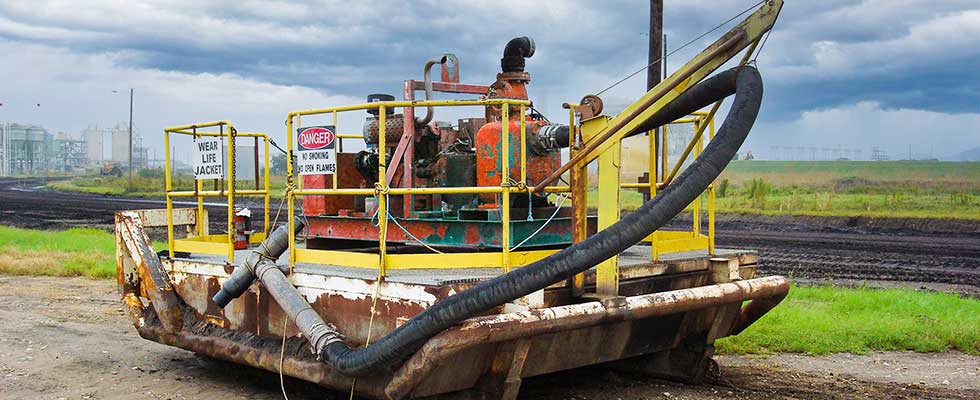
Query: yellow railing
(675,241)
(383,261)
(202,241)
(505,258)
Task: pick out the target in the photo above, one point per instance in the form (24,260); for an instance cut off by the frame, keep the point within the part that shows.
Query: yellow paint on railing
(207,245)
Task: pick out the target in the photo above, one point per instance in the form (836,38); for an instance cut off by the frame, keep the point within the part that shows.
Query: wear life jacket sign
(316,150)
(208,160)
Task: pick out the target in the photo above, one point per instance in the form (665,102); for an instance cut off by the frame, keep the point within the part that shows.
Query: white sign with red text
(316,150)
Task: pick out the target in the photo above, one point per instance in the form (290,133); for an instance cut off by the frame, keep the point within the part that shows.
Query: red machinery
(424,152)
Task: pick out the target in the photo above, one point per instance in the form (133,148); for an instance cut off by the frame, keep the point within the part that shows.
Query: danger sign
(208,162)
(316,150)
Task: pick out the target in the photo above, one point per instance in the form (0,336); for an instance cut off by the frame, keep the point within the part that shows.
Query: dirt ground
(68,338)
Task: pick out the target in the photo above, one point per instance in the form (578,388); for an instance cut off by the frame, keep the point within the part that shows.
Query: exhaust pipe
(428,87)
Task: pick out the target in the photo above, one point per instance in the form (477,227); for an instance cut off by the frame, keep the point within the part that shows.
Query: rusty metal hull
(665,313)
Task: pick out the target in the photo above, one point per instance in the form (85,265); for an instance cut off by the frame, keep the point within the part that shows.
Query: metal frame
(662,242)
(595,138)
(504,259)
(202,241)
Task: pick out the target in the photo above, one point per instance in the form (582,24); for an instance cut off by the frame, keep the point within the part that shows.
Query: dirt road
(25,203)
(67,338)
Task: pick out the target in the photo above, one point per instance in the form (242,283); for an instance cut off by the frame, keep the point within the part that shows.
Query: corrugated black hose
(744,81)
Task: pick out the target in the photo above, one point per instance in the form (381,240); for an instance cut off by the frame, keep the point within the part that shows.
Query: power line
(682,47)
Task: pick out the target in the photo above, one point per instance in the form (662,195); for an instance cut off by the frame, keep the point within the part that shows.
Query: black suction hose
(745,82)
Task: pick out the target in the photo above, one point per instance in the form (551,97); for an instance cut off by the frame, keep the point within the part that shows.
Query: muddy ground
(68,338)
(899,250)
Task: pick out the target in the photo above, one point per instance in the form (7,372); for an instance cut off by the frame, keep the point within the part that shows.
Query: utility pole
(130,135)
(655,62)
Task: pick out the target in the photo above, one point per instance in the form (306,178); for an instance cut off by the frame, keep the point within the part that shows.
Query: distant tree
(279,163)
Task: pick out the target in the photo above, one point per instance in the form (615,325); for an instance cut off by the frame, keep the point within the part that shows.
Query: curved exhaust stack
(516,50)
(428,87)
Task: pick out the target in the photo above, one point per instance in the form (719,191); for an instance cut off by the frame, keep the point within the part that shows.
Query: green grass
(880,205)
(896,189)
(826,174)
(74,252)
(823,320)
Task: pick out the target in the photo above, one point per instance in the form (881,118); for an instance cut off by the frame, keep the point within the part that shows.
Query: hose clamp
(546,139)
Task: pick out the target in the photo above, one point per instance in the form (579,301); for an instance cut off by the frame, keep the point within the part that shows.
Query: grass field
(861,175)
(75,252)
(905,189)
(822,320)
(915,189)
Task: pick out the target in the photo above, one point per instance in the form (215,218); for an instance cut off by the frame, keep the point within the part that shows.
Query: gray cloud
(902,55)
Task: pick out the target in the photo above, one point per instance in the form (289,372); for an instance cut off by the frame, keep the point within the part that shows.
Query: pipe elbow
(428,87)
(516,50)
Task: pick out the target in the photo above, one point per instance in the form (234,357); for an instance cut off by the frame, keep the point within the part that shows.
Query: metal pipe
(516,50)
(756,309)
(410,103)
(428,88)
(243,276)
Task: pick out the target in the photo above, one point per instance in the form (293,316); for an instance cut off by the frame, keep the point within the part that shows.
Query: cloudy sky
(901,74)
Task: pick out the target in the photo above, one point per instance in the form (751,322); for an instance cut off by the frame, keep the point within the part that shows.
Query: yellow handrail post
(290,194)
(335,146)
(505,187)
(711,197)
(578,178)
(653,178)
(168,185)
(268,188)
(198,186)
(654,246)
(696,218)
(523,146)
(663,149)
(382,195)
(231,192)
(607,272)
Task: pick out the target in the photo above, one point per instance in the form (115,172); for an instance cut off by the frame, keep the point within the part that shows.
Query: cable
(682,47)
(557,209)
(273,143)
(766,39)
(393,219)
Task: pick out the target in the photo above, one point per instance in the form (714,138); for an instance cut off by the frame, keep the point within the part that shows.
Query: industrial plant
(28,149)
